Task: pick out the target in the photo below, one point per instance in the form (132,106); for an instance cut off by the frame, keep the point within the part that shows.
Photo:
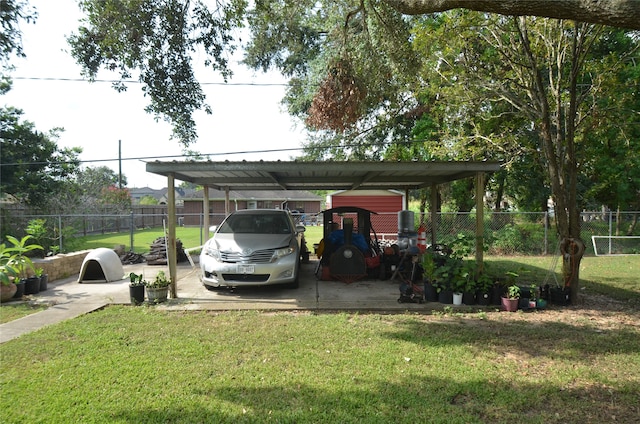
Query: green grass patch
(613,276)
(142,239)
(143,365)
(13,311)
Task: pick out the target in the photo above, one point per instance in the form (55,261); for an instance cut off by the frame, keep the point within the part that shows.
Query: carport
(330,175)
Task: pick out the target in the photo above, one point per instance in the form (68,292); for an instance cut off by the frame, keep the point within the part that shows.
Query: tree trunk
(572,251)
(618,13)
(499,191)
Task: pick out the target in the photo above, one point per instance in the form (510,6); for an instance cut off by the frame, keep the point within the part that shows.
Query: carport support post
(434,213)
(479,223)
(171,237)
(227,202)
(205,211)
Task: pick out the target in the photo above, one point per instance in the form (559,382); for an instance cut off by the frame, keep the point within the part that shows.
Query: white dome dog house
(101,265)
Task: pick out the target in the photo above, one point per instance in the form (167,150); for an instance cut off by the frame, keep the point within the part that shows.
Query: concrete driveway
(69,299)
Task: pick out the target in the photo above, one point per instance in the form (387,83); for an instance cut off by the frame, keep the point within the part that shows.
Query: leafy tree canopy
(33,168)
(155,41)
(11,13)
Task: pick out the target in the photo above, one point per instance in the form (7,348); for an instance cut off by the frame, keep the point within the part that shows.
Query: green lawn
(11,311)
(189,236)
(614,276)
(142,365)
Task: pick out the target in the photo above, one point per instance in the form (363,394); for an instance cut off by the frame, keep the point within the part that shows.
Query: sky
(246,118)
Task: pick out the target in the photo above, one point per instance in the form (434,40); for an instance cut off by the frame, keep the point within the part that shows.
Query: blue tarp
(337,239)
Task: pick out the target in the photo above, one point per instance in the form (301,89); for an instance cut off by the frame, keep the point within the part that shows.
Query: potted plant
(429,273)
(458,283)
(23,264)
(136,288)
(44,278)
(511,298)
(469,287)
(8,274)
(158,289)
(533,296)
(449,278)
(484,285)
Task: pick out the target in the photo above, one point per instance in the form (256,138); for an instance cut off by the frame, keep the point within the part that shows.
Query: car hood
(253,242)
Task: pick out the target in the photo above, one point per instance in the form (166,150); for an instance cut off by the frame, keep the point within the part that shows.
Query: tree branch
(617,13)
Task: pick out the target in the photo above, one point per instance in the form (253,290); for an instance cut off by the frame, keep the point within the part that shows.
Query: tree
(93,180)
(617,13)
(148,200)
(549,73)
(11,13)
(155,43)
(157,39)
(32,167)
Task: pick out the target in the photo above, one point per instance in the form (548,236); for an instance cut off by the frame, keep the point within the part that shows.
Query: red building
(385,203)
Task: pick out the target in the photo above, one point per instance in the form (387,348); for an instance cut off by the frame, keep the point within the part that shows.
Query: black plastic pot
(32,285)
(445,296)
(430,293)
(136,294)
(469,298)
(44,280)
(559,296)
(483,298)
(20,290)
(496,294)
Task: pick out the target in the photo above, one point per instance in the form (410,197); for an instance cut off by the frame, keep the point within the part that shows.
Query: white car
(253,247)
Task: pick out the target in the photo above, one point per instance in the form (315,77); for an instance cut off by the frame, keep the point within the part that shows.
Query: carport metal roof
(326,175)
(329,175)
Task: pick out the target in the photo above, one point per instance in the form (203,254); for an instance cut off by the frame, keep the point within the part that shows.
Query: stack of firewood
(158,252)
(129,258)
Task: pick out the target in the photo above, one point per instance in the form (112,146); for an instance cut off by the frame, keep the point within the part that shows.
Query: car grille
(248,278)
(257,257)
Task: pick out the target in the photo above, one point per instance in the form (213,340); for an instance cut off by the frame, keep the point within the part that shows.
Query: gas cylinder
(422,238)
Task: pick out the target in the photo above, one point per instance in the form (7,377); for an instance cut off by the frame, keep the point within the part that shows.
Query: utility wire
(196,155)
(245,84)
(149,158)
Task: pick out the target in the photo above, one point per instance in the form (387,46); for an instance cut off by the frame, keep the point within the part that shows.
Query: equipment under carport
(348,255)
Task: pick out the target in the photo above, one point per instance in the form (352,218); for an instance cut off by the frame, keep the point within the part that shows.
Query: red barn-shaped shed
(385,203)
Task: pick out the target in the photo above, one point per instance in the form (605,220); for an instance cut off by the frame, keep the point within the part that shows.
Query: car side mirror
(213,228)
(301,228)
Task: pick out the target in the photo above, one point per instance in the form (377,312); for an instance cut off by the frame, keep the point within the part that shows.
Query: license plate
(245,269)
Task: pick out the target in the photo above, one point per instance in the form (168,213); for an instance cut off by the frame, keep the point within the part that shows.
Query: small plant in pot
(136,288)
(429,274)
(8,274)
(23,264)
(533,296)
(484,284)
(158,288)
(511,298)
(43,277)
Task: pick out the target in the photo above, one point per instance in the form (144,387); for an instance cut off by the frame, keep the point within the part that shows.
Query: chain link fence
(506,233)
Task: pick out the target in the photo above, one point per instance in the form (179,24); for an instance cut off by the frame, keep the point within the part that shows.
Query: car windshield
(256,224)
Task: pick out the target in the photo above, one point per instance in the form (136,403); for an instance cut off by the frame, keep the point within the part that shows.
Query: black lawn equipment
(350,253)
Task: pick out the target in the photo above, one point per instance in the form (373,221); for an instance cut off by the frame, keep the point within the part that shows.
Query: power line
(244,84)
(149,158)
(202,155)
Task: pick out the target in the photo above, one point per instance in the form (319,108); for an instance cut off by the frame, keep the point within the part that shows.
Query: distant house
(161,195)
(302,202)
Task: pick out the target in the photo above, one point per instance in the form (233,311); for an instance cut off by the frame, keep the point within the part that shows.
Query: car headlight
(280,253)
(210,250)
